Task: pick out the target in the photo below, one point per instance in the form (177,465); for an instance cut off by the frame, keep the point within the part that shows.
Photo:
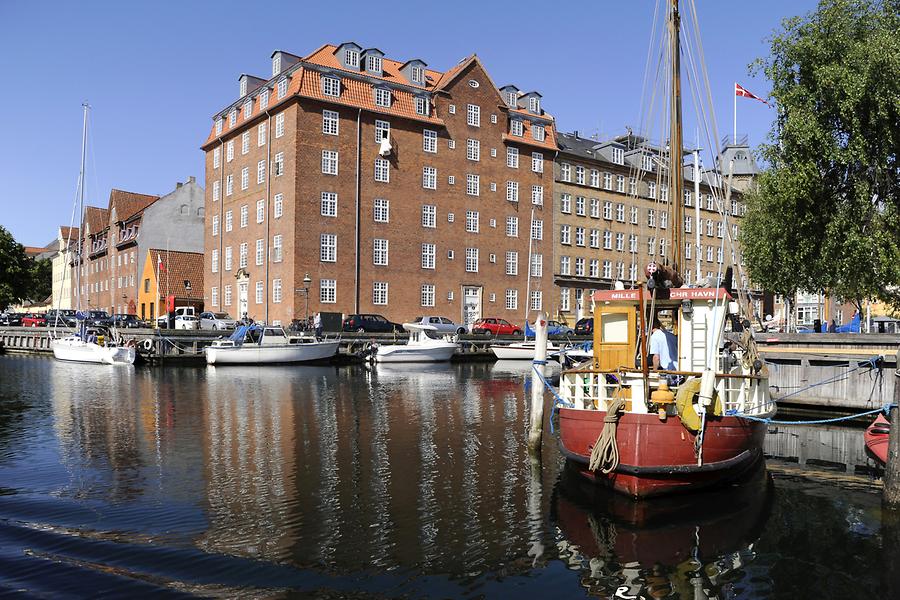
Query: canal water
(407,482)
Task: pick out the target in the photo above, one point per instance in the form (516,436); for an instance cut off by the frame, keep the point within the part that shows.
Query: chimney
(192,179)
(178,185)
(576,134)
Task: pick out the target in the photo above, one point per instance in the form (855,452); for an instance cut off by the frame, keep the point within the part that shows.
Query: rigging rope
(605,454)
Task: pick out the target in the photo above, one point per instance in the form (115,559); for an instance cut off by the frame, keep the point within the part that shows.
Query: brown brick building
(612,216)
(398,189)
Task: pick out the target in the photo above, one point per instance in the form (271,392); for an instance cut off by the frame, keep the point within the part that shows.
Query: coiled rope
(605,454)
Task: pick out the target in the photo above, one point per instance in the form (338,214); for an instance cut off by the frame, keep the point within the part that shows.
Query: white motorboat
(266,345)
(75,348)
(420,348)
(519,350)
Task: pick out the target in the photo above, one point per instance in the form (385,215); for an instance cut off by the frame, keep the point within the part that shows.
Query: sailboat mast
(676,145)
(80,254)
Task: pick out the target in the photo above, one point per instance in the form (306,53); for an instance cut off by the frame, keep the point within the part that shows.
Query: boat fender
(147,345)
(684,404)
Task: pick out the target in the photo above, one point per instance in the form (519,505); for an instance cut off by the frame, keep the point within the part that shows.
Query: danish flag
(743,93)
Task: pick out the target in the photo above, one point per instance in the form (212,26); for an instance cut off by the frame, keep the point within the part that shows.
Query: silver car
(441,324)
(216,320)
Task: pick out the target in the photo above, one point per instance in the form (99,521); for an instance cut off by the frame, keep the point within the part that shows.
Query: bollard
(891,497)
(537,385)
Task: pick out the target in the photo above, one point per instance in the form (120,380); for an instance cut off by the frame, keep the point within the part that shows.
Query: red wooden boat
(876,437)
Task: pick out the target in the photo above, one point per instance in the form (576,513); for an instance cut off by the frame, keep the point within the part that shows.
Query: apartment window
(663,219)
(565,172)
(261,134)
(473,115)
(512,299)
(472,221)
(331,86)
(720,230)
(594,268)
(382,130)
(473,150)
(214,261)
(328,247)
(651,217)
(429,141)
(428,255)
(651,246)
(245,142)
(688,224)
(537,195)
(215,226)
(259,292)
(427,294)
(429,216)
(373,63)
(620,183)
(279,125)
(228,258)
(382,170)
(260,252)
(618,156)
(260,211)
(620,241)
(379,293)
(688,200)
(381,210)
(537,265)
(382,97)
(228,220)
(579,236)
(429,178)
(634,215)
(565,203)
(278,208)
(512,226)
(565,265)
(471,260)
(709,227)
(687,250)
(607,181)
(607,269)
(217,157)
(607,240)
(279,164)
(516,127)
(451,180)
(632,186)
(227,295)
(595,178)
(216,191)
(565,234)
(632,272)
(329,162)
(537,132)
(579,267)
(229,151)
(276,291)
(328,204)
(219,126)
(245,178)
(709,250)
(595,208)
(260,171)
(421,105)
(595,238)
(451,144)
(242,255)
(264,98)
(330,122)
(512,263)
(244,215)
(512,191)
(380,252)
(719,255)
(536,299)
(327,291)
(579,175)
(232,117)
(472,184)
(646,162)
(282,87)
(580,206)
(214,297)
(537,162)
(537,229)
(632,243)
(620,213)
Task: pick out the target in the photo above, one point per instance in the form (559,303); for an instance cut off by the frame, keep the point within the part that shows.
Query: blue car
(553,328)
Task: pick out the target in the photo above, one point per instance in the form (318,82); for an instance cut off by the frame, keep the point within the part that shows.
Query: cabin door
(615,337)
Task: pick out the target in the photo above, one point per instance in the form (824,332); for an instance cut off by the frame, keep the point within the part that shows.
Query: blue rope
(559,399)
(885,409)
(872,363)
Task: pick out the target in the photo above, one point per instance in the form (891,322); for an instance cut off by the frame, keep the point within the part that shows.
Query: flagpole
(734,93)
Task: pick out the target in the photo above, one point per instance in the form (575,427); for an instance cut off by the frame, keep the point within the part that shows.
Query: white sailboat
(420,348)
(99,345)
(267,345)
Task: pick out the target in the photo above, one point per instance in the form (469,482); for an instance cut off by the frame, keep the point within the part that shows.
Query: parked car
(369,323)
(584,326)
(128,321)
(34,320)
(495,327)
(98,318)
(181,322)
(441,324)
(11,319)
(216,320)
(557,328)
(60,317)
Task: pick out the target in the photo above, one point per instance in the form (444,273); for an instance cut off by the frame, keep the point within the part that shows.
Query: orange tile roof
(96,218)
(178,267)
(128,203)
(33,250)
(69,232)
(549,142)
(325,57)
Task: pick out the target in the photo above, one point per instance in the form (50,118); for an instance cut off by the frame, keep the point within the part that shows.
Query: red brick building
(398,189)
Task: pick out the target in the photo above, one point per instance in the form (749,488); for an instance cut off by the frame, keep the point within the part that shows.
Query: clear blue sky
(155,72)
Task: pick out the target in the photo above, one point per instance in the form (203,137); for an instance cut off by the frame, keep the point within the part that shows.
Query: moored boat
(265,345)
(93,348)
(420,347)
(518,350)
(876,437)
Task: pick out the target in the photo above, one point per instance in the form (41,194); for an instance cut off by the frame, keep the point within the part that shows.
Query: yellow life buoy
(684,404)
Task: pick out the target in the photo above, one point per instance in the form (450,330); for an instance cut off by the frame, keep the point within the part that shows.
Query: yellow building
(180,274)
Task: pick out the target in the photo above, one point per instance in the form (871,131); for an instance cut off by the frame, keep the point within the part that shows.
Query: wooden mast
(676,145)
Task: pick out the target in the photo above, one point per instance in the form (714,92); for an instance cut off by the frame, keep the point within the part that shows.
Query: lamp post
(305,290)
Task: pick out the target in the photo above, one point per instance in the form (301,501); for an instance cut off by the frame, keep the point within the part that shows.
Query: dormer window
(618,156)
(264,99)
(537,132)
(383,97)
(243,87)
(534,104)
(232,117)
(248,108)
(646,162)
(417,75)
(282,87)
(276,65)
(331,86)
(516,127)
(373,64)
(511,99)
(352,58)
(421,105)
(219,126)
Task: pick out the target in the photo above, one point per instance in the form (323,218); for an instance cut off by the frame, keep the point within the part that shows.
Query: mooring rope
(885,409)
(605,455)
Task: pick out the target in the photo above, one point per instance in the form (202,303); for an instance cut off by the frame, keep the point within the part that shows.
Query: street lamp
(305,290)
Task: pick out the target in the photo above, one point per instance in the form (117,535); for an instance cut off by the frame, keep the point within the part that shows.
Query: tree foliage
(15,270)
(826,214)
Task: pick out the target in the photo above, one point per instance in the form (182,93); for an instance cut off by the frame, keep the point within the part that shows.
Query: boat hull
(656,457)
(400,353)
(77,350)
(518,351)
(876,436)
(251,354)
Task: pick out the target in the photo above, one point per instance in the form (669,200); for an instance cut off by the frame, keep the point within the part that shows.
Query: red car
(34,320)
(495,327)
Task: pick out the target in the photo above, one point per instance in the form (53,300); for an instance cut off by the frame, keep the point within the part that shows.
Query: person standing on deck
(663,347)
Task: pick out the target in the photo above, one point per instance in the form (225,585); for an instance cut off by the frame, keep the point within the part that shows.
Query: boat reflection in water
(692,546)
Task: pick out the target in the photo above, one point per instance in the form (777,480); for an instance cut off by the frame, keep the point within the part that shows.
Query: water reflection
(689,547)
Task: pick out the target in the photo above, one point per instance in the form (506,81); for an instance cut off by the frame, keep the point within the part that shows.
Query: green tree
(15,270)
(40,279)
(826,214)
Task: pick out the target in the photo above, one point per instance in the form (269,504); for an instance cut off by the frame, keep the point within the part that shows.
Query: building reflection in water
(690,547)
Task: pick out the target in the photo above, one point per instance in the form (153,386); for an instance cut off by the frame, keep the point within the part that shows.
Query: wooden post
(891,497)
(537,385)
